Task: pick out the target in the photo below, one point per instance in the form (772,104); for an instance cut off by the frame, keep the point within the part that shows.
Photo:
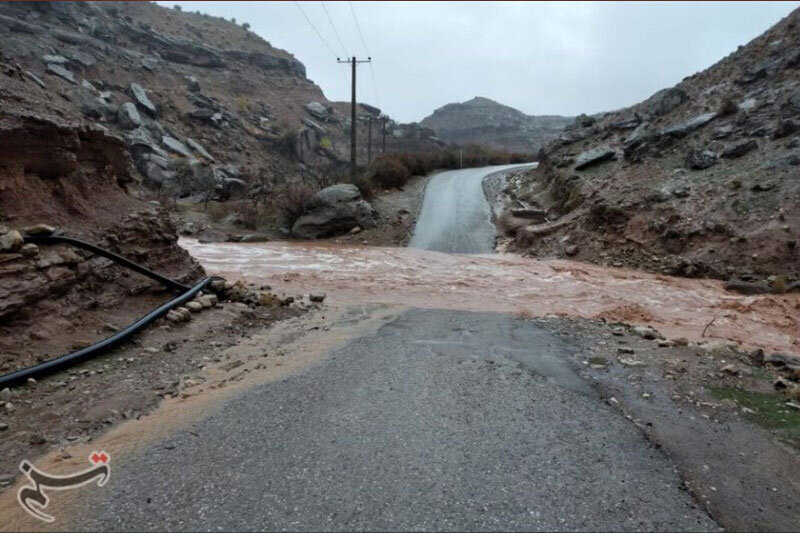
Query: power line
(364,44)
(335,31)
(358,27)
(321,38)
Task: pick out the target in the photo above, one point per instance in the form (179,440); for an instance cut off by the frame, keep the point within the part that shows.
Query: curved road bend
(455,215)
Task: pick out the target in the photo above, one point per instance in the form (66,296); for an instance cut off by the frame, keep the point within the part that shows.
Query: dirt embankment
(699,180)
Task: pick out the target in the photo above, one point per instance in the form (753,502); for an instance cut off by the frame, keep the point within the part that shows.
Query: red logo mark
(99,457)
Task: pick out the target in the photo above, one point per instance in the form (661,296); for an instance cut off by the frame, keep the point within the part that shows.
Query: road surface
(455,215)
(440,420)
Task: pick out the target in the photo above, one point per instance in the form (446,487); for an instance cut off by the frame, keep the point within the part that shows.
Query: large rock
(11,241)
(317,110)
(701,159)
(334,211)
(174,145)
(684,128)
(128,117)
(141,98)
(61,72)
(665,101)
(593,157)
(198,148)
(739,149)
(641,136)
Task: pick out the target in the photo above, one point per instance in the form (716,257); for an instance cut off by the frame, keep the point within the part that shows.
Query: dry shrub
(728,106)
(389,172)
(292,200)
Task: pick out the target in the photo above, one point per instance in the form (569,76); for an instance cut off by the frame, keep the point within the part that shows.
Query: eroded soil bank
(698,310)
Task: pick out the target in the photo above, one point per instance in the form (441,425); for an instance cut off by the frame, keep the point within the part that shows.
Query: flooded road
(677,307)
(455,215)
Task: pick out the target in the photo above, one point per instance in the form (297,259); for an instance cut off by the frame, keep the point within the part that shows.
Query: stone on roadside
(571,250)
(739,149)
(29,250)
(11,241)
(174,316)
(317,297)
(3,426)
(194,307)
(646,332)
(208,301)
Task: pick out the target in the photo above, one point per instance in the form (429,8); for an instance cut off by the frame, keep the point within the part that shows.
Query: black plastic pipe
(103,346)
(56,239)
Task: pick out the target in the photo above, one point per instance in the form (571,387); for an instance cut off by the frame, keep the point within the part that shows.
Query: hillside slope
(484,121)
(701,179)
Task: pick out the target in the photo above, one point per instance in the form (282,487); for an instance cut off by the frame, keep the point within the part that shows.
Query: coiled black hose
(53,365)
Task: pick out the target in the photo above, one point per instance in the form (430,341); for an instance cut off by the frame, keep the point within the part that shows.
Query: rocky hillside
(701,179)
(486,122)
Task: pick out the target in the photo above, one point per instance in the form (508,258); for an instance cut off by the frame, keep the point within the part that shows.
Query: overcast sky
(541,58)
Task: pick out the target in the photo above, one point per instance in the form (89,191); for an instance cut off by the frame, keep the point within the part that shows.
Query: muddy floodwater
(677,307)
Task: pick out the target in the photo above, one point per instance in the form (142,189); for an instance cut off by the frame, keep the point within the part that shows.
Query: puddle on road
(677,307)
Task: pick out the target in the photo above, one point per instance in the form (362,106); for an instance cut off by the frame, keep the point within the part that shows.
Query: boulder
(84,59)
(665,101)
(198,149)
(335,210)
(314,126)
(317,110)
(55,59)
(643,134)
(701,159)
(174,145)
(593,157)
(684,128)
(61,72)
(739,149)
(747,287)
(783,360)
(202,114)
(149,63)
(11,241)
(141,98)
(128,116)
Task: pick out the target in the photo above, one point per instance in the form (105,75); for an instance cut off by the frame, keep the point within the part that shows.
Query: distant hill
(487,122)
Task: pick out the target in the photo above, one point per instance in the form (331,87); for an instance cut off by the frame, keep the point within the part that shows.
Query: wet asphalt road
(441,420)
(455,215)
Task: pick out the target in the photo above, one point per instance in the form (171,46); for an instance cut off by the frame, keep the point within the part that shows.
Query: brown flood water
(677,307)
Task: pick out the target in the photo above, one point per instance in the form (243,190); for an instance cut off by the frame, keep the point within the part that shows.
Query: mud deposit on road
(677,307)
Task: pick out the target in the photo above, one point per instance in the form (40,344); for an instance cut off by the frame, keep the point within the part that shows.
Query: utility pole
(383,147)
(353,62)
(369,141)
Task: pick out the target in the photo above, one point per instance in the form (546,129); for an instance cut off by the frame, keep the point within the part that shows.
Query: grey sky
(539,57)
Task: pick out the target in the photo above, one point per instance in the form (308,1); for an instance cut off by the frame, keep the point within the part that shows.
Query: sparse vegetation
(292,200)
(728,106)
(246,25)
(176,7)
(767,410)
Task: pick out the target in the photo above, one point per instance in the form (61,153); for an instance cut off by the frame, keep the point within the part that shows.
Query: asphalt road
(455,215)
(441,420)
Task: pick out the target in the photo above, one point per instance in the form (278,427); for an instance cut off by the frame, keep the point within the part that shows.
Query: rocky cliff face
(484,121)
(701,179)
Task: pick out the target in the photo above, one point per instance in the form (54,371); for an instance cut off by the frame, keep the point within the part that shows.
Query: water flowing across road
(456,218)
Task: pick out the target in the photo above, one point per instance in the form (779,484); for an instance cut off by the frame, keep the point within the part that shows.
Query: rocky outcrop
(707,182)
(333,211)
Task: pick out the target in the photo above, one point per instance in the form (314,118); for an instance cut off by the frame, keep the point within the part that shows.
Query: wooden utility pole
(383,147)
(353,62)
(369,141)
